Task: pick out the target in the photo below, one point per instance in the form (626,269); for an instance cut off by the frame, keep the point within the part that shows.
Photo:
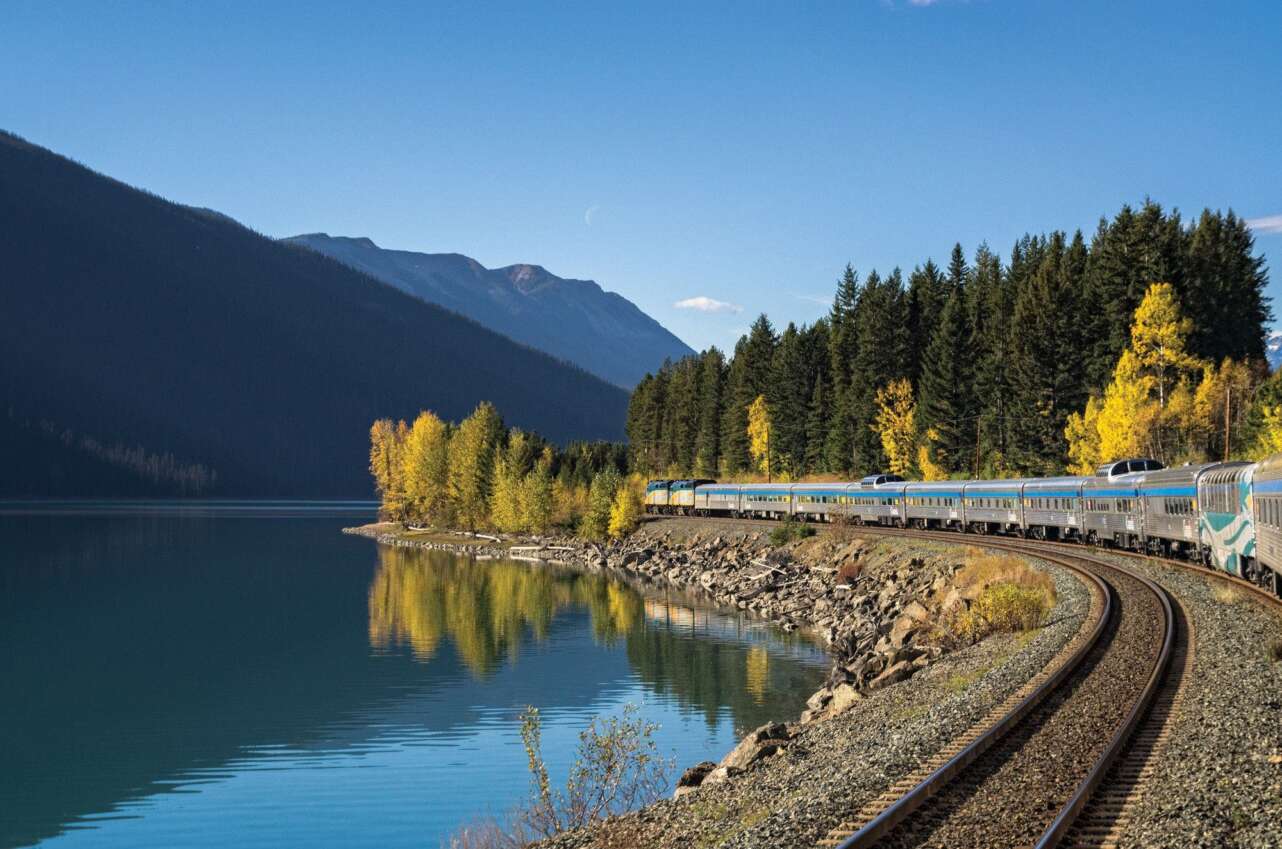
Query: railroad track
(1061,760)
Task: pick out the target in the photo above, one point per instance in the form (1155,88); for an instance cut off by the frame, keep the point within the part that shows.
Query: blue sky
(738,153)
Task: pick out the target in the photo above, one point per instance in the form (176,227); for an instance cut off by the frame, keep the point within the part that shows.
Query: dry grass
(1225,593)
(1005,594)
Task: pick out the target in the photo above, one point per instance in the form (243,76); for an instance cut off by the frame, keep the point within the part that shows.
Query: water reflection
(209,681)
(709,660)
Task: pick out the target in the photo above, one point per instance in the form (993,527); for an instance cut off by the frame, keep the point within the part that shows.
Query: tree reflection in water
(706,659)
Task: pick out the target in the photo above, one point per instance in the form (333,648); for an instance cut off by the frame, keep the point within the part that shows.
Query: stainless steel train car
(993,506)
(1228,515)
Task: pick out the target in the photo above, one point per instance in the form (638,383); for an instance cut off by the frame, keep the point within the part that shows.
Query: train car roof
(1002,483)
(1060,482)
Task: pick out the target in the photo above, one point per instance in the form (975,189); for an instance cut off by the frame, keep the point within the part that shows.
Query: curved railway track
(1060,761)
(1025,773)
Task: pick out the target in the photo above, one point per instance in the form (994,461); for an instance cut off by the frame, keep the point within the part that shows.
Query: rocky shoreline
(872,604)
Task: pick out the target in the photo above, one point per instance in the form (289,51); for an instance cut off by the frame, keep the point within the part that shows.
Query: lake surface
(240,674)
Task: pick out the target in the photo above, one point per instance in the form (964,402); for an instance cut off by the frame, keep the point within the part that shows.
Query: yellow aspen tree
(759,435)
(1082,433)
(930,470)
(625,512)
(382,455)
(505,496)
(426,468)
(1268,440)
(1159,338)
(1223,399)
(896,425)
(1127,416)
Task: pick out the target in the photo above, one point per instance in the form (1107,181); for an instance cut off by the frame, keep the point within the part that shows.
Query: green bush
(790,530)
(1001,607)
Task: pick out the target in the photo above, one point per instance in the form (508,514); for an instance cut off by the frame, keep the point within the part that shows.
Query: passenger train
(1226,515)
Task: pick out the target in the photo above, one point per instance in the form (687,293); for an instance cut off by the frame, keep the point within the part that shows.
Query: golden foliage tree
(625,512)
(1149,407)
(471,458)
(896,424)
(759,434)
(930,470)
(426,469)
(382,454)
(1222,401)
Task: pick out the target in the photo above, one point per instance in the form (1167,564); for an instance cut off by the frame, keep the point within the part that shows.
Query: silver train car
(1226,515)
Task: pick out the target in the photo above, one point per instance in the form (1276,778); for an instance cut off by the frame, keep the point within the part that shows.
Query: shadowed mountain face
(179,350)
(572,319)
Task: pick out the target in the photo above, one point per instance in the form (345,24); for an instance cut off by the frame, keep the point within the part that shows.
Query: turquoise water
(240,674)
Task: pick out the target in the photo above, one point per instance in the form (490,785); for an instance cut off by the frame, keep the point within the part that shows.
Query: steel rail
(906,805)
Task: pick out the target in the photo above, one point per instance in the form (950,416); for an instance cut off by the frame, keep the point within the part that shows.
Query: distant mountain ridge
(576,320)
(152,348)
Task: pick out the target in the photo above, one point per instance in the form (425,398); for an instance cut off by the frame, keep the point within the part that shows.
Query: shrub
(617,768)
(1008,595)
(789,530)
(1275,650)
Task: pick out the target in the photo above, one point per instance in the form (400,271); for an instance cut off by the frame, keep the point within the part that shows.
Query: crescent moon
(587,216)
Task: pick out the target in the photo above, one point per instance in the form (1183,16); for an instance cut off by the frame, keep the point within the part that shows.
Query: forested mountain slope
(180,346)
(576,320)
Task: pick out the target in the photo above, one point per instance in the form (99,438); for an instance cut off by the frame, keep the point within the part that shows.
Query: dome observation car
(1114,468)
(877,480)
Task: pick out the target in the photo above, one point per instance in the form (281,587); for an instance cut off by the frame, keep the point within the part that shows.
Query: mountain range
(152,348)
(601,332)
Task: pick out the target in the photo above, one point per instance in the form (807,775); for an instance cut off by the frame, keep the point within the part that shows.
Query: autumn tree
(595,524)
(896,425)
(625,510)
(426,469)
(758,431)
(471,458)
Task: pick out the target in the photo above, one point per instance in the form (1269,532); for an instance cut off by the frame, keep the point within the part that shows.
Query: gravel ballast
(1218,780)
(831,767)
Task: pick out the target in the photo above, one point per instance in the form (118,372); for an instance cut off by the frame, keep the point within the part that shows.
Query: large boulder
(893,675)
(692,778)
(761,743)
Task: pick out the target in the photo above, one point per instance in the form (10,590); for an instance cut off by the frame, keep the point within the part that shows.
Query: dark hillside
(137,323)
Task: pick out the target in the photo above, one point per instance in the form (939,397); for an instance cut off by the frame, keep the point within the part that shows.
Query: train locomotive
(1226,515)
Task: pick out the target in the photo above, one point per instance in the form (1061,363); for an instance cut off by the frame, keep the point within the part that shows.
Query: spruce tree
(843,344)
(788,397)
(712,377)
(945,394)
(817,418)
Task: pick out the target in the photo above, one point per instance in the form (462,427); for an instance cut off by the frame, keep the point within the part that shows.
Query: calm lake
(242,674)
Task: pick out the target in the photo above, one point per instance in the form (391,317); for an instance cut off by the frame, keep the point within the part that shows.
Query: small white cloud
(1267,224)
(813,299)
(703,303)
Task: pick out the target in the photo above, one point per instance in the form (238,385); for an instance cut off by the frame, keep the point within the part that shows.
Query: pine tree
(749,378)
(843,345)
(927,292)
(945,404)
(1223,288)
(817,418)
(712,377)
(536,494)
(992,302)
(595,524)
(787,397)
(880,328)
